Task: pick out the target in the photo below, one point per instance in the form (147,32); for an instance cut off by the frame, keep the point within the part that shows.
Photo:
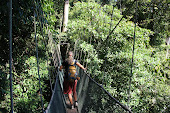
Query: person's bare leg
(70,98)
(75,96)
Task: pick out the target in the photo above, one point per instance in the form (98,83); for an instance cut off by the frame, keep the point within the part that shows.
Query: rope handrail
(124,107)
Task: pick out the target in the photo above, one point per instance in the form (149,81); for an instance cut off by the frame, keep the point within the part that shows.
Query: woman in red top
(70,86)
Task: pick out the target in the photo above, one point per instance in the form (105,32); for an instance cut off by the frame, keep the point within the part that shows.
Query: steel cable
(10,52)
(131,72)
(38,62)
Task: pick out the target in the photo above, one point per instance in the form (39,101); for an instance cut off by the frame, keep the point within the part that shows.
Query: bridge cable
(124,107)
(108,36)
(133,45)
(38,61)
(92,52)
(106,49)
(109,31)
(45,43)
(105,58)
(81,49)
(98,42)
(108,92)
(10,52)
(105,64)
(131,72)
(87,43)
(112,17)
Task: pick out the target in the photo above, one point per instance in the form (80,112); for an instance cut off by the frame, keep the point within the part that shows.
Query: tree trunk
(65,18)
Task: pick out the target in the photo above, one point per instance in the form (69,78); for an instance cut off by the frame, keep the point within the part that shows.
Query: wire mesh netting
(57,103)
(93,99)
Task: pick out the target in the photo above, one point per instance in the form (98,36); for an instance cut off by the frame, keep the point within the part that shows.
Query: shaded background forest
(108,61)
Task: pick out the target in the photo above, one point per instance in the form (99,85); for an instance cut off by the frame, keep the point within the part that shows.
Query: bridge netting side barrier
(92,97)
(57,102)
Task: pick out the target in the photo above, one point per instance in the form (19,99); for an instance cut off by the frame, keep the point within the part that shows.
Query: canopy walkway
(92,97)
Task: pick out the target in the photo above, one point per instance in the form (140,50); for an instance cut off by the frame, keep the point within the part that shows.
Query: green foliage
(26,92)
(108,61)
(151,14)
(52,11)
(4,90)
(28,88)
(89,25)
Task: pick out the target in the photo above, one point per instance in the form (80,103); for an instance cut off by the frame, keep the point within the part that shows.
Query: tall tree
(65,17)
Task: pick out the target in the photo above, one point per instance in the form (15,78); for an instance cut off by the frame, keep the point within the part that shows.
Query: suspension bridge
(92,97)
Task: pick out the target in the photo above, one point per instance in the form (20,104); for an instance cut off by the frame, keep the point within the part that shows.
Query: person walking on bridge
(71,78)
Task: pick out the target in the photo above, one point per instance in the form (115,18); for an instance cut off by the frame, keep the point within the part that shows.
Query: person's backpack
(72,74)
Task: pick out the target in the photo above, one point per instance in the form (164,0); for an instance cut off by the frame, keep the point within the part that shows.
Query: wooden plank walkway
(69,110)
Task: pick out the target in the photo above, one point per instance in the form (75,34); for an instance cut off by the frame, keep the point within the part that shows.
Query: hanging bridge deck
(68,109)
(91,98)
